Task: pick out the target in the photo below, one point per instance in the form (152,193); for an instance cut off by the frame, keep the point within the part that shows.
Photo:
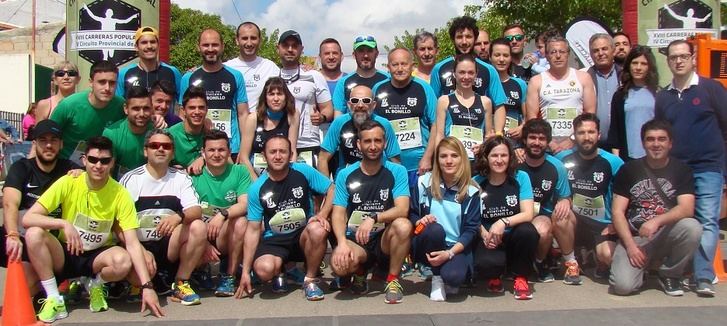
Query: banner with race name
(663,21)
(104,30)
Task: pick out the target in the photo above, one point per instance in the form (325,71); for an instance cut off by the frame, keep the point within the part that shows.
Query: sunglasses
(364,100)
(516,37)
(70,73)
(94,160)
(157,145)
(364,38)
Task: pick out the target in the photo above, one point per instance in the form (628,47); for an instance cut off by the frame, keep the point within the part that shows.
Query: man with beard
(282,213)
(463,32)
(312,99)
(224,87)
(551,192)
(482,46)
(331,57)
(255,69)
(27,179)
(591,171)
(128,135)
(622,43)
(188,134)
(426,48)
(653,205)
(370,216)
(168,210)
(341,136)
(150,69)
(365,51)
(410,105)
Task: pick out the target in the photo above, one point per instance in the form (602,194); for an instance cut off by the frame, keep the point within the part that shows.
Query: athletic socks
(51,289)
(569,257)
(391,277)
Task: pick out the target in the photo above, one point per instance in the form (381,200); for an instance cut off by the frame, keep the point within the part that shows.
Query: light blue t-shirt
(638,109)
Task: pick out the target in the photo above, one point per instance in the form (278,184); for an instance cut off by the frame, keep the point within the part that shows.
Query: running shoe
(295,276)
(226,286)
(340,283)
(572,273)
(671,286)
(359,284)
(74,293)
(543,272)
(162,283)
(521,289)
(117,290)
(312,291)
(494,285)
(407,268)
(98,298)
(425,272)
(438,292)
(134,295)
(394,292)
(183,293)
(202,278)
(51,310)
(280,284)
(602,272)
(705,288)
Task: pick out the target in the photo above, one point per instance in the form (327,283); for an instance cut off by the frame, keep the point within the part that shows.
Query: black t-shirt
(25,176)
(544,179)
(447,80)
(514,93)
(474,116)
(135,76)
(261,134)
(522,73)
(645,202)
(355,79)
(400,103)
(503,200)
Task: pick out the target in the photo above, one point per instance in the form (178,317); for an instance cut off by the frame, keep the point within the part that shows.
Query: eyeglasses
(516,37)
(675,57)
(365,100)
(94,160)
(362,38)
(61,73)
(162,145)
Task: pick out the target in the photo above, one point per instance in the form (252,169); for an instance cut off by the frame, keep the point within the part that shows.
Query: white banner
(578,35)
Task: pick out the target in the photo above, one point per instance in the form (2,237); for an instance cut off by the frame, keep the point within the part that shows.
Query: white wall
(16,85)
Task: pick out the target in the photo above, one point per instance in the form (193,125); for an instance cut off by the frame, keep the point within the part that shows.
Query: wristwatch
(148,285)
(225,213)
(375,217)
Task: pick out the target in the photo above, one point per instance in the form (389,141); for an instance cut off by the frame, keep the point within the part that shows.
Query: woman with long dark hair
(508,238)
(515,88)
(633,103)
(275,115)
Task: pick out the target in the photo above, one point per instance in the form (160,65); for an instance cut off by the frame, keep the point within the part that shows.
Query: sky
(343,20)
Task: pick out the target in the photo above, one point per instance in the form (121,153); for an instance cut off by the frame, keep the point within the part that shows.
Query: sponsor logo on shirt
(598,177)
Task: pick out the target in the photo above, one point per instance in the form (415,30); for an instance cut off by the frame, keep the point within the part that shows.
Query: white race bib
(94,233)
(357,217)
(209,211)
(221,120)
(469,136)
(148,221)
(594,208)
(288,221)
(259,163)
(306,157)
(510,123)
(561,120)
(408,132)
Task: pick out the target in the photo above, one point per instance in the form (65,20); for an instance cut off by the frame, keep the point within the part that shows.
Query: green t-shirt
(186,146)
(220,191)
(80,121)
(128,147)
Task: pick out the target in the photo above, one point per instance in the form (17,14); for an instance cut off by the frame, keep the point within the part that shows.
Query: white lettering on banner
(102,40)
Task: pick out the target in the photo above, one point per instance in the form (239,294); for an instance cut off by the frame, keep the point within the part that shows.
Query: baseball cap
(145,30)
(362,40)
(46,126)
(290,33)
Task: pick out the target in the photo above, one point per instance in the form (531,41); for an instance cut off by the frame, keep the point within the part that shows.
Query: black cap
(290,33)
(46,126)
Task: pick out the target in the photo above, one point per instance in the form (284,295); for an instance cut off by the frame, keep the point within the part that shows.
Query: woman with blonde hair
(445,209)
(275,115)
(64,81)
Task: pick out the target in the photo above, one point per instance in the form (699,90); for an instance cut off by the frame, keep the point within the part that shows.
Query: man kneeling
(652,208)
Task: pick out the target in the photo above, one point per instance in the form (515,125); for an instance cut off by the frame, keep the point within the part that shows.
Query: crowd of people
(470,169)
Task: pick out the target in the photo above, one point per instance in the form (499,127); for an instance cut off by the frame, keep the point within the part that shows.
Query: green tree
(187,24)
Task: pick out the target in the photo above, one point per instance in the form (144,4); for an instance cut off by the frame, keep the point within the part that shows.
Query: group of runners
(470,168)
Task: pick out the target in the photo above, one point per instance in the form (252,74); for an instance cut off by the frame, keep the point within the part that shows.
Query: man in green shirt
(222,190)
(128,135)
(85,114)
(188,135)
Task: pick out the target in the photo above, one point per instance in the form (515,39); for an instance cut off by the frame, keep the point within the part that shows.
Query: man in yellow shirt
(93,204)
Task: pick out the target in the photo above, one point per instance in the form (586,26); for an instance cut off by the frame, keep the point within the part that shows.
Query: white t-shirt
(309,89)
(256,73)
(157,199)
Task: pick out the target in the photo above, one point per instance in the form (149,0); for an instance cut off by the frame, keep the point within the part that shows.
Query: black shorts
(374,254)
(287,247)
(3,250)
(77,266)
(160,250)
(588,233)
